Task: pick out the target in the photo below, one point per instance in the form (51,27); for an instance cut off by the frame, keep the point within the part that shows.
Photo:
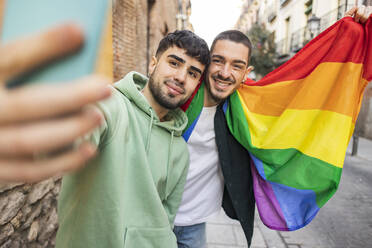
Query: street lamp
(313,25)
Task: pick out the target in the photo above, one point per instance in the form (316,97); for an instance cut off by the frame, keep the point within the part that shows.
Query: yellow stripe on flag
(305,130)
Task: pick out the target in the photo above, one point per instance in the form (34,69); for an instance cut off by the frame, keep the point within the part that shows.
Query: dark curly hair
(195,46)
(235,36)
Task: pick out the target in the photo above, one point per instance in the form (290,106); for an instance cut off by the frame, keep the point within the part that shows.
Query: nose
(225,71)
(181,76)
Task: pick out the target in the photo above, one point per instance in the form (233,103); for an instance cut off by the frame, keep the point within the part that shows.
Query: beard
(166,100)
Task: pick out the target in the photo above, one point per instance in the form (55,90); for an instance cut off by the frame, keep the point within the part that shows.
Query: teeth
(222,84)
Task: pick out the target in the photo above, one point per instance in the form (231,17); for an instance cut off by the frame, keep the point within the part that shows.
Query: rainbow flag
(297,121)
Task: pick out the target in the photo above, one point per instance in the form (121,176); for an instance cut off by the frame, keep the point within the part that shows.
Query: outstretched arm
(39,123)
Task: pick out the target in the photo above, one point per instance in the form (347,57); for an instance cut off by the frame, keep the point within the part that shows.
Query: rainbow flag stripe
(297,121)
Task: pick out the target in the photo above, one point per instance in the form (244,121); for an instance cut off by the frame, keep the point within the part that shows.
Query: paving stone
(226,246)
(364,148)
(306,235)
(258,239)
(293,246)
(240,236)
(221,234)
(272,238)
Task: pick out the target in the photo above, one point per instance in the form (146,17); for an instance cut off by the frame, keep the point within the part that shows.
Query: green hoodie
(129,194)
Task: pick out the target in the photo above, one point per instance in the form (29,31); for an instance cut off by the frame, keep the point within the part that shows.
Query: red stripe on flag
(343,43)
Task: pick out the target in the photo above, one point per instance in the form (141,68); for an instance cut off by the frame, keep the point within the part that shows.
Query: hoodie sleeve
(112,118)
(96,136)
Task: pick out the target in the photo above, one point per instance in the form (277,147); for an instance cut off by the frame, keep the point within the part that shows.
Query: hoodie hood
(131,85)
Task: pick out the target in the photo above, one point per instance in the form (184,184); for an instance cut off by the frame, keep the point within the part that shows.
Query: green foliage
(264,50)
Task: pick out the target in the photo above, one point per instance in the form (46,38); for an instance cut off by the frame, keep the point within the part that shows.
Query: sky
(211,17)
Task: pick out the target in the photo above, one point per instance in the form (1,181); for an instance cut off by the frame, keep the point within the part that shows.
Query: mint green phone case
(22,17)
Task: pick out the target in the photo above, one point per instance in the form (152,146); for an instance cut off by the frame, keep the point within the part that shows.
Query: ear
(247,71)
(152,64)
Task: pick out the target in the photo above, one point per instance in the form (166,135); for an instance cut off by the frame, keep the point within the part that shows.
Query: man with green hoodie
(129,194)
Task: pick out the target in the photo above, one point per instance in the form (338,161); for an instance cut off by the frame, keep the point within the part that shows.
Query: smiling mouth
(221,85)
(174,89)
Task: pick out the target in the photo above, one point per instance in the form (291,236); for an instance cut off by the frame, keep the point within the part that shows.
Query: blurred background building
(293,23)
(139,25)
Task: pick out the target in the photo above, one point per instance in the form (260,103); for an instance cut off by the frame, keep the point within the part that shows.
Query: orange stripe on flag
(331,86)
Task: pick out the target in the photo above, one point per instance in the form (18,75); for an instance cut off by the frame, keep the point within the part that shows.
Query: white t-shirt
(203,193)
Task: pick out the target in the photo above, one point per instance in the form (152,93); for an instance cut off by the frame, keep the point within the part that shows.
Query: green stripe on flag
(195,106)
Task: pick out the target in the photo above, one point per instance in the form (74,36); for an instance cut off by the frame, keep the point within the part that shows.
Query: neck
(208,99)
(159,110)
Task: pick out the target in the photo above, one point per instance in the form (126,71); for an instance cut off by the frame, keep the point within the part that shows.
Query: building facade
(290,20)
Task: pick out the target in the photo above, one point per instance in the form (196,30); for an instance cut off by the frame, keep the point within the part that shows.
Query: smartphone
(24,17)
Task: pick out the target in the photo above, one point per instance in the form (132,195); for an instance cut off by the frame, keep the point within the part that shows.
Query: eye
(193,74)
(217,61)
(239,67)
(173,63)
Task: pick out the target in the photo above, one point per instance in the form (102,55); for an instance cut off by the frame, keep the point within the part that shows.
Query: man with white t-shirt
(218,173)
(216,177)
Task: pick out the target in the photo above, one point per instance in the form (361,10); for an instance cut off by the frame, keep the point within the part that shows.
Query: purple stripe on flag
(267,203)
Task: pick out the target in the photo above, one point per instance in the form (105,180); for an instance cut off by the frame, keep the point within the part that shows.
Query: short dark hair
(195,46)
(235,36)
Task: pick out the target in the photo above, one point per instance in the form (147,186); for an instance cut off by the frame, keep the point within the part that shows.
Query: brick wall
(129,36)
(162,20)
(138,26)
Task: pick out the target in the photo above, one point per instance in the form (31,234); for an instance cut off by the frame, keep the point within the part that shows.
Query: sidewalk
(223,232)
(364,149)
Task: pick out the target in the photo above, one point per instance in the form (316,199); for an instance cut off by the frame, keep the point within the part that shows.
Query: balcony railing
(298,39)
(282,48)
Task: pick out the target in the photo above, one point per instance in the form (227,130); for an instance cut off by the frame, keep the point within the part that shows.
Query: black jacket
(238,198)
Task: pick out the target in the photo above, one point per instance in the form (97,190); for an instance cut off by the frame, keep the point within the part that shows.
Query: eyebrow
(234,61)
(181,60)
(196,69)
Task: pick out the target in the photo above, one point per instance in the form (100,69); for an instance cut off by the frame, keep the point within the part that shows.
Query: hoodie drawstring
(149,133)
(169,152)
(168,164)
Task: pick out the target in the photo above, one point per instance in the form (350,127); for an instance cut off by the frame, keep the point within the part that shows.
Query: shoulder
(114,107)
